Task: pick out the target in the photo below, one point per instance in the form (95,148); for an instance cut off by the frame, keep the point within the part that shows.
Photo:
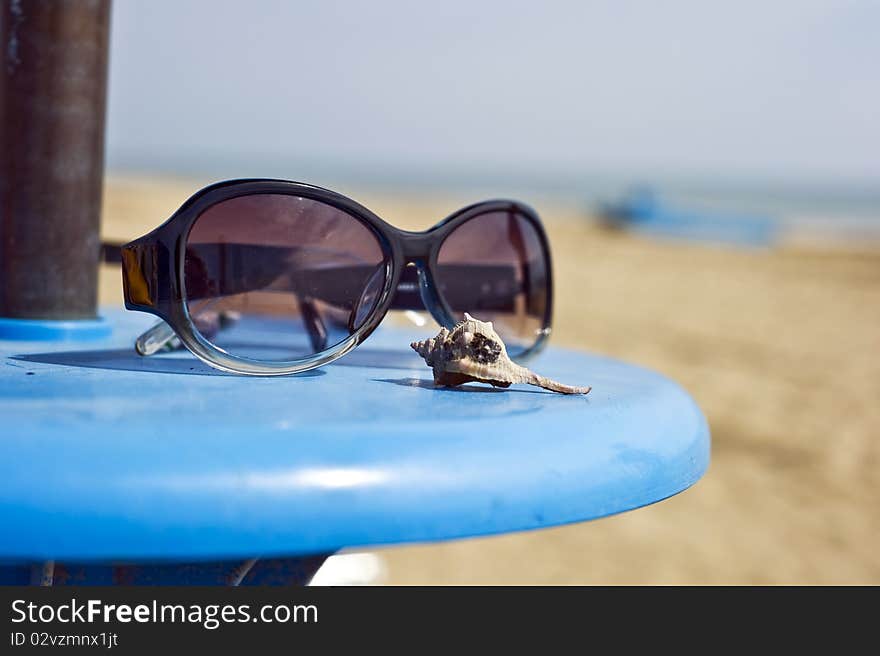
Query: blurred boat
(641,211)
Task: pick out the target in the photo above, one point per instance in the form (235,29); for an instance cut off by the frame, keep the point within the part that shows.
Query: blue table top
(107,455)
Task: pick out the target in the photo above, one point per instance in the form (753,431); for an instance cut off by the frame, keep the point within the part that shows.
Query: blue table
(155,470)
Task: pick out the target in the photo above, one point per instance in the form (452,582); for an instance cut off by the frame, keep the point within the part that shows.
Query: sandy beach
(781,349)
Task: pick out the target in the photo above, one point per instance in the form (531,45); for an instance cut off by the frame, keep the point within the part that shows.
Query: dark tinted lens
(274,277)
(494,267)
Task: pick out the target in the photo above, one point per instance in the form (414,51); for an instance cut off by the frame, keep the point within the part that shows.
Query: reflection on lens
(494,267)
(276,278)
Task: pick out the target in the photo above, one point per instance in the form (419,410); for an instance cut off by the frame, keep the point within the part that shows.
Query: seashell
(473,352)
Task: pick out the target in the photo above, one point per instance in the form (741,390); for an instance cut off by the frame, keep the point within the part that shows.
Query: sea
(816,212)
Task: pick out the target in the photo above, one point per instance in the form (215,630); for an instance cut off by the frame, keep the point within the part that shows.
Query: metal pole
(53,81)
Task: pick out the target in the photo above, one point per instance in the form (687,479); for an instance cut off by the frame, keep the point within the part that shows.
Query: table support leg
(262,571)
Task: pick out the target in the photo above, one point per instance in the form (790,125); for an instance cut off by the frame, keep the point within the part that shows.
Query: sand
(781,349)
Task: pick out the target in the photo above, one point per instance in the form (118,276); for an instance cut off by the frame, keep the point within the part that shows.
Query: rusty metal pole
(53,81)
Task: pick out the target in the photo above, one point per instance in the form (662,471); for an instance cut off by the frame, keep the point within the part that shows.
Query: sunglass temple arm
(159,337)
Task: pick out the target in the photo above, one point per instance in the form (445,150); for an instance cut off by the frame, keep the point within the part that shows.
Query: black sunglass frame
(154,280)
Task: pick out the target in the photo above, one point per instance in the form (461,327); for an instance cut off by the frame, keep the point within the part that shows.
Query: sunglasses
(270,277)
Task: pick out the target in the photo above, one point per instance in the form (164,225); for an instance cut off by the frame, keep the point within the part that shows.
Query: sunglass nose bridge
(430,294)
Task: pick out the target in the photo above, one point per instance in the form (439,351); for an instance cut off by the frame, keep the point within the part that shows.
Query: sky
(784,90)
